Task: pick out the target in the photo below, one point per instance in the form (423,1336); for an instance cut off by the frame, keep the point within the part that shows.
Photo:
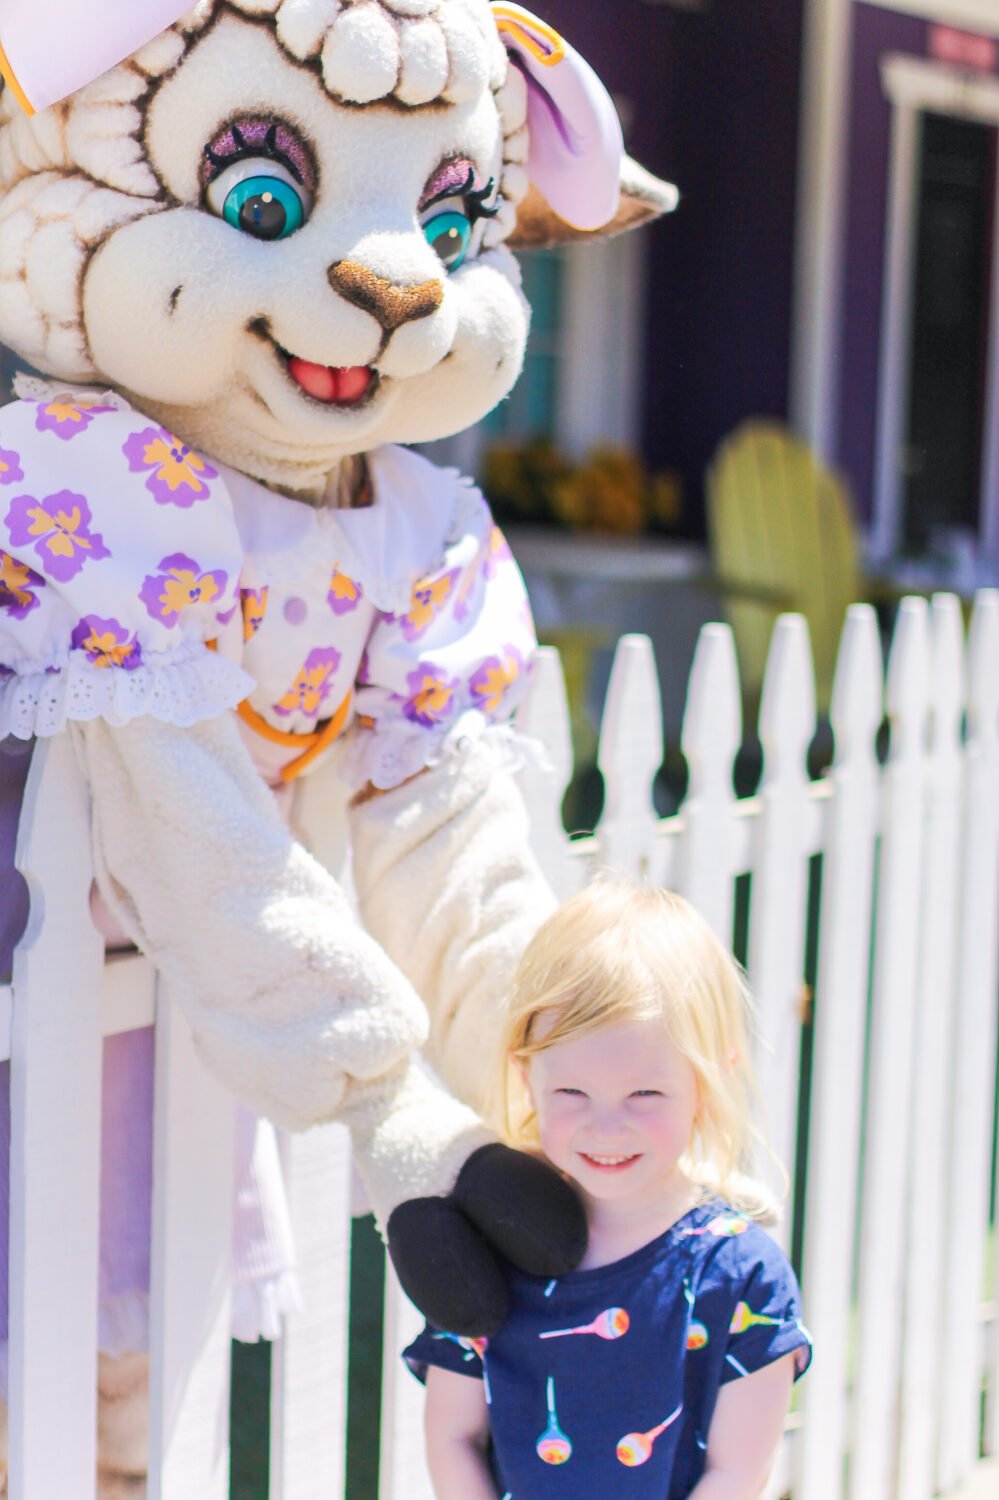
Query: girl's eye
(572,1093)
(647,1094)
(259,196)
(449,233)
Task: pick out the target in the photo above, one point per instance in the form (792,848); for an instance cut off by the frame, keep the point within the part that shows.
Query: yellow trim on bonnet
(10,78)
(525,30)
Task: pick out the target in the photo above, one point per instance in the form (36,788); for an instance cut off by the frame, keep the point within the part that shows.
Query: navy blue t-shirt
(617,1369)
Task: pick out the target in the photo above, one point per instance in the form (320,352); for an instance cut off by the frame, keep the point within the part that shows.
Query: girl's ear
(582,183)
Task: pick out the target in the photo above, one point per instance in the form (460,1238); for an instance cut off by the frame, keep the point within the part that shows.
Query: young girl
(662,1367)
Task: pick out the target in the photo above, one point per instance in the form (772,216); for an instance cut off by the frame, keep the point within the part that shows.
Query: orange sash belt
(311,745)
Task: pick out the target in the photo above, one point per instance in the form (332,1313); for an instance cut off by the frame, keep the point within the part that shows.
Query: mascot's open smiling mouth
(333,385)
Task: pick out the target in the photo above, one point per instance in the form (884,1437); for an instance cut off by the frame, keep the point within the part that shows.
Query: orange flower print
(431,696)
(497,551)
(178,475)
(18,583)
(67,418)
(254,603)
(178,587)
(429,598)
(311,687)
(106,643)
(495,678)
(344,594)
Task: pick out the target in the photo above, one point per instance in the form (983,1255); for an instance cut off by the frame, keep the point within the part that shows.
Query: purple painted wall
(715,101)
(876,32)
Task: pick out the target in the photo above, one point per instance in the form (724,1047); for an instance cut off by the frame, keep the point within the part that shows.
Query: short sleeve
(447,1351)
(763,1307)
(454,664)
(119,561)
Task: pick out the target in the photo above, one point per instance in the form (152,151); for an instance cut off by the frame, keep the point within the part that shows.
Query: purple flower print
(177,475)
(59,529)
(344,594)
(180,586)
(17,585)
(429,598)
(10,466)
(312,686)
(494,680)
(106,643)
(431,696)
(67,418)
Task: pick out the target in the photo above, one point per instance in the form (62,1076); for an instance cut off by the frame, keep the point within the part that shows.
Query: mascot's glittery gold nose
(390,304)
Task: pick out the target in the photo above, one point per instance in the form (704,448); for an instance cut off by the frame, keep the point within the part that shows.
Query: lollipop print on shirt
(553,1445)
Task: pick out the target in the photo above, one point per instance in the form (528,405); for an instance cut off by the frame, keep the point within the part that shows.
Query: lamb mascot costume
(243,264)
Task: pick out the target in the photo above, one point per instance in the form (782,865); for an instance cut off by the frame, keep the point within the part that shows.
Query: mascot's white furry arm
(247,249)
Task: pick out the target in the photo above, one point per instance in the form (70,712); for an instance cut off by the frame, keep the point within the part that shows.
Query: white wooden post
(544,718)
(838,1067)
(974,1055)
(926,1301)
(55,1143)
(629,755)
(309,1362)
(889,1095)
(776,956)
(711,734)
(402,1470)
(191,1271)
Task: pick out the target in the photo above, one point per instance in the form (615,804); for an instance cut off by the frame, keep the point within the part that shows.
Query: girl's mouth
(608,1163)
(333,385)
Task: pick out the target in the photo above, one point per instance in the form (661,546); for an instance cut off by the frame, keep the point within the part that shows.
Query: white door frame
(915,86)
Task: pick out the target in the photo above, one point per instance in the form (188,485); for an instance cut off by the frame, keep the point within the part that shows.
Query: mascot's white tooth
(424,70)
(302,25)
(361,55)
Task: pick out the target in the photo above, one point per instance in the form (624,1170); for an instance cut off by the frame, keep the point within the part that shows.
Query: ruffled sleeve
(452,664)
(119,560)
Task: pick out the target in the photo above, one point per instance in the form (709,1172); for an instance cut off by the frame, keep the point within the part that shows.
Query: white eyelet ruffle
(183,691)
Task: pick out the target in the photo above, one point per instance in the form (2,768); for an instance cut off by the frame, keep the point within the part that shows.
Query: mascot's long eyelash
(257,137)
(475,198)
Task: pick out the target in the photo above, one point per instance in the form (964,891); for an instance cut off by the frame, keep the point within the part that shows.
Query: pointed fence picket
(900,1143)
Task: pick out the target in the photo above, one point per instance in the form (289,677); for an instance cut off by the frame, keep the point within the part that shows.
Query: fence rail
(887,867)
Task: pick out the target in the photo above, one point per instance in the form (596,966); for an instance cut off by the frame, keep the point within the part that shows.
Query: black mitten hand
(505,1204)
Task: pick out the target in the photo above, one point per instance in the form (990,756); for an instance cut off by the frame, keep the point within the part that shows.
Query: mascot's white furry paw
(122,1425)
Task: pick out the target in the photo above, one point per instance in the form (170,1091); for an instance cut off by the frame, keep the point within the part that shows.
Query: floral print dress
(137,577)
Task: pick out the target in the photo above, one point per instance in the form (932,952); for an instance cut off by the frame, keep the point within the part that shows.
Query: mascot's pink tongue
(342,384)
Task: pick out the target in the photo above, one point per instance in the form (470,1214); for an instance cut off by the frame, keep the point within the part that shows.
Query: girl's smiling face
(616,1110)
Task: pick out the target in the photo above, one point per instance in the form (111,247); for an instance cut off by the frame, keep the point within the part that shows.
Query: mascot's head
(282,226)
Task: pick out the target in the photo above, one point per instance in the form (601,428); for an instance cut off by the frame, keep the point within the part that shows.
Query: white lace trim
(387,759)
(34,388)
(259,1307)
(182,692)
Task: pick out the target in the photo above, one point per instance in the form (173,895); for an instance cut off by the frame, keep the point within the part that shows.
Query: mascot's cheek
(164,312)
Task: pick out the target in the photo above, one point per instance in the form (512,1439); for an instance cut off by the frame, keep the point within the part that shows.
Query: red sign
(963,49)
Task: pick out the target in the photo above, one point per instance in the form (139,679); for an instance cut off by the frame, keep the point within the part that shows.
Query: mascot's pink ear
(581,180)
(51,48)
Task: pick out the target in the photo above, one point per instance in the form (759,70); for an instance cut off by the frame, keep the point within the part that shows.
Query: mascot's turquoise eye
(267,207)
(449,233)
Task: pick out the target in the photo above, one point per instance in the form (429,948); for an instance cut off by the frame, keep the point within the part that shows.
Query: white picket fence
(900,1143)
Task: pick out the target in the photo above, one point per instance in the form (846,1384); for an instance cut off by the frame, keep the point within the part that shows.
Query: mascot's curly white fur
(242,263)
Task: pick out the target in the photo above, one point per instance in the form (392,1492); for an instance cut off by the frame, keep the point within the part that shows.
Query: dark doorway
(942,454)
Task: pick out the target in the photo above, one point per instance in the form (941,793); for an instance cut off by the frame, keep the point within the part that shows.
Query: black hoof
(446,1267)
(524,1208)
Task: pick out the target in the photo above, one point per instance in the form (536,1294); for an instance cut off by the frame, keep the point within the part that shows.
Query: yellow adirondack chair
(783,537)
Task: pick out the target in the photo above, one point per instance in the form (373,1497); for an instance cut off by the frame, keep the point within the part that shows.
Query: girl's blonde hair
(619,952)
